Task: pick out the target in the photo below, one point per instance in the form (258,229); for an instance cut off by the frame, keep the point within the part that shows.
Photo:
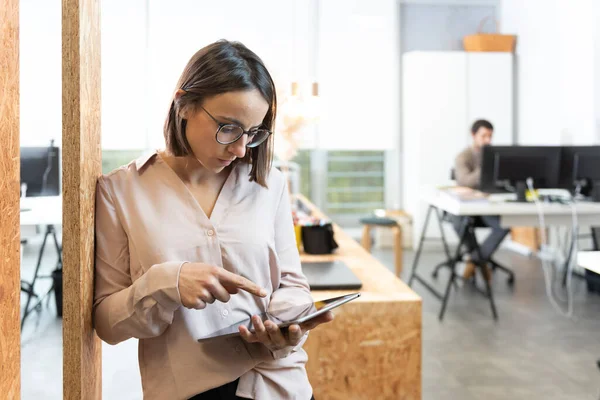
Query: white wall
(350,48)
(359,61)
(124,75)
(556,46)
(576,70)
(178,29)
(432,25)
(123,85)
(144,47)
(40,72)
(443,93)
(596,14)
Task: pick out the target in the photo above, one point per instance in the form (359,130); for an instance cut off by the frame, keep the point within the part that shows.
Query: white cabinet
(443,93)
(490,93)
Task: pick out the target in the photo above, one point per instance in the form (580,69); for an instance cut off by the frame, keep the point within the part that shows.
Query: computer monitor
(40,170)
(580,169)
(507,168)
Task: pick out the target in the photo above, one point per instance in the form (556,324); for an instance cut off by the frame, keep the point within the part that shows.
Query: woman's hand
(274,338)
(201,284)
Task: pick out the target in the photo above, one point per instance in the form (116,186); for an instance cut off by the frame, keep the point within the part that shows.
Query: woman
(194,238)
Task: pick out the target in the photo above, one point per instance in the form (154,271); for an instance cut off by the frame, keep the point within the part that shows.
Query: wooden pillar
(81,167)
(10,262)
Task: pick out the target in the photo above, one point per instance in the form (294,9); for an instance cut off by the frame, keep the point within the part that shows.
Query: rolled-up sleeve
(124,308)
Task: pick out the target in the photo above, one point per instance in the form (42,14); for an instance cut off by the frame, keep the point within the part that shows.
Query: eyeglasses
(231,133)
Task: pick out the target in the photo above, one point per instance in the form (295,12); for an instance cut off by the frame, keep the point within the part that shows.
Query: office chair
(474,223)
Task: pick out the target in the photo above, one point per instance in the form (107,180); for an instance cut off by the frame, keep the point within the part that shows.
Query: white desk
(589,260)
(510,213)
(41,211)
(515,214)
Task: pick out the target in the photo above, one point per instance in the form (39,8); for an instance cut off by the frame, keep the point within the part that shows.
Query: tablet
(286,316)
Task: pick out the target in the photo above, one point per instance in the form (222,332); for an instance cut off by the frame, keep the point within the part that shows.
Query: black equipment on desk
(333,275)
(580,170)
(40,170)
(318,239)
(508,168)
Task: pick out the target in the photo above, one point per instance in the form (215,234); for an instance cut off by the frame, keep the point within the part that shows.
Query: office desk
(372,350)
(47,212)
(589,260)
(513,213)
(510,213)
(41,211)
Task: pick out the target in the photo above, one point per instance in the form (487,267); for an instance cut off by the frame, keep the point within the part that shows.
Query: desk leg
(31,286)
(446,263)
(452,264)
(420,247)
(444,241)
(31,293)
(58,248)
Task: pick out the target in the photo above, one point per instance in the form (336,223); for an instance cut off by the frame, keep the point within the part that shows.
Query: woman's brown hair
(222,67)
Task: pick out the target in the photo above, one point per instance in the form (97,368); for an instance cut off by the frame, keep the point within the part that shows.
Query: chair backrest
(596,238)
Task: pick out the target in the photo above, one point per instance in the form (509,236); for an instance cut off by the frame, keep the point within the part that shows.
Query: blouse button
(210,232)
(225,313)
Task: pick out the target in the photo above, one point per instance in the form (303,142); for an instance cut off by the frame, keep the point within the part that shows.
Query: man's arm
(467,174)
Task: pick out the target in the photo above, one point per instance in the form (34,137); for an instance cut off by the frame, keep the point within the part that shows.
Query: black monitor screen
(580,167)
(40,170)
(505,166)
(586,166)
(513,168)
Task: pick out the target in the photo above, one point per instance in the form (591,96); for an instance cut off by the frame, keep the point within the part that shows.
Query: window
(112,159)
(343,184)
(355,182)
(303,159)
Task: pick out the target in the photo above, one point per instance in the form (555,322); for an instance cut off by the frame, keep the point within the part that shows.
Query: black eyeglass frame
(251,133)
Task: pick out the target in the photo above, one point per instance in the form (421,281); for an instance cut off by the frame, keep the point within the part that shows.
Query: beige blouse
(147,225)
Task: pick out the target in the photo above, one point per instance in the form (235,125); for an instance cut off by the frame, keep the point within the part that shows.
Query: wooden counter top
(372,350)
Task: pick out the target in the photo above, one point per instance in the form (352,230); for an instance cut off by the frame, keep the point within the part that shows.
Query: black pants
(225,392)
(491,243)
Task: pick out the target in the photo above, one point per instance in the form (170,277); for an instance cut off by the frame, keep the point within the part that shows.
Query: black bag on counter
(318,239)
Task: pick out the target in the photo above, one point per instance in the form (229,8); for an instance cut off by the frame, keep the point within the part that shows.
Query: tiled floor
(531,352)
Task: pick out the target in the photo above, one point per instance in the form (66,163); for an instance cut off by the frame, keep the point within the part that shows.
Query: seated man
(467,171)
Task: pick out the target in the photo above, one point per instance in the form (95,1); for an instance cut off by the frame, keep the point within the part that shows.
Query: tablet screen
(286,316)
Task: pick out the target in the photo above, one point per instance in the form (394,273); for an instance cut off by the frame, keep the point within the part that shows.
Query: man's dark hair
(481,123)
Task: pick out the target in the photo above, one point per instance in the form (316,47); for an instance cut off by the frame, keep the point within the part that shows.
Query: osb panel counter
(372,349)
